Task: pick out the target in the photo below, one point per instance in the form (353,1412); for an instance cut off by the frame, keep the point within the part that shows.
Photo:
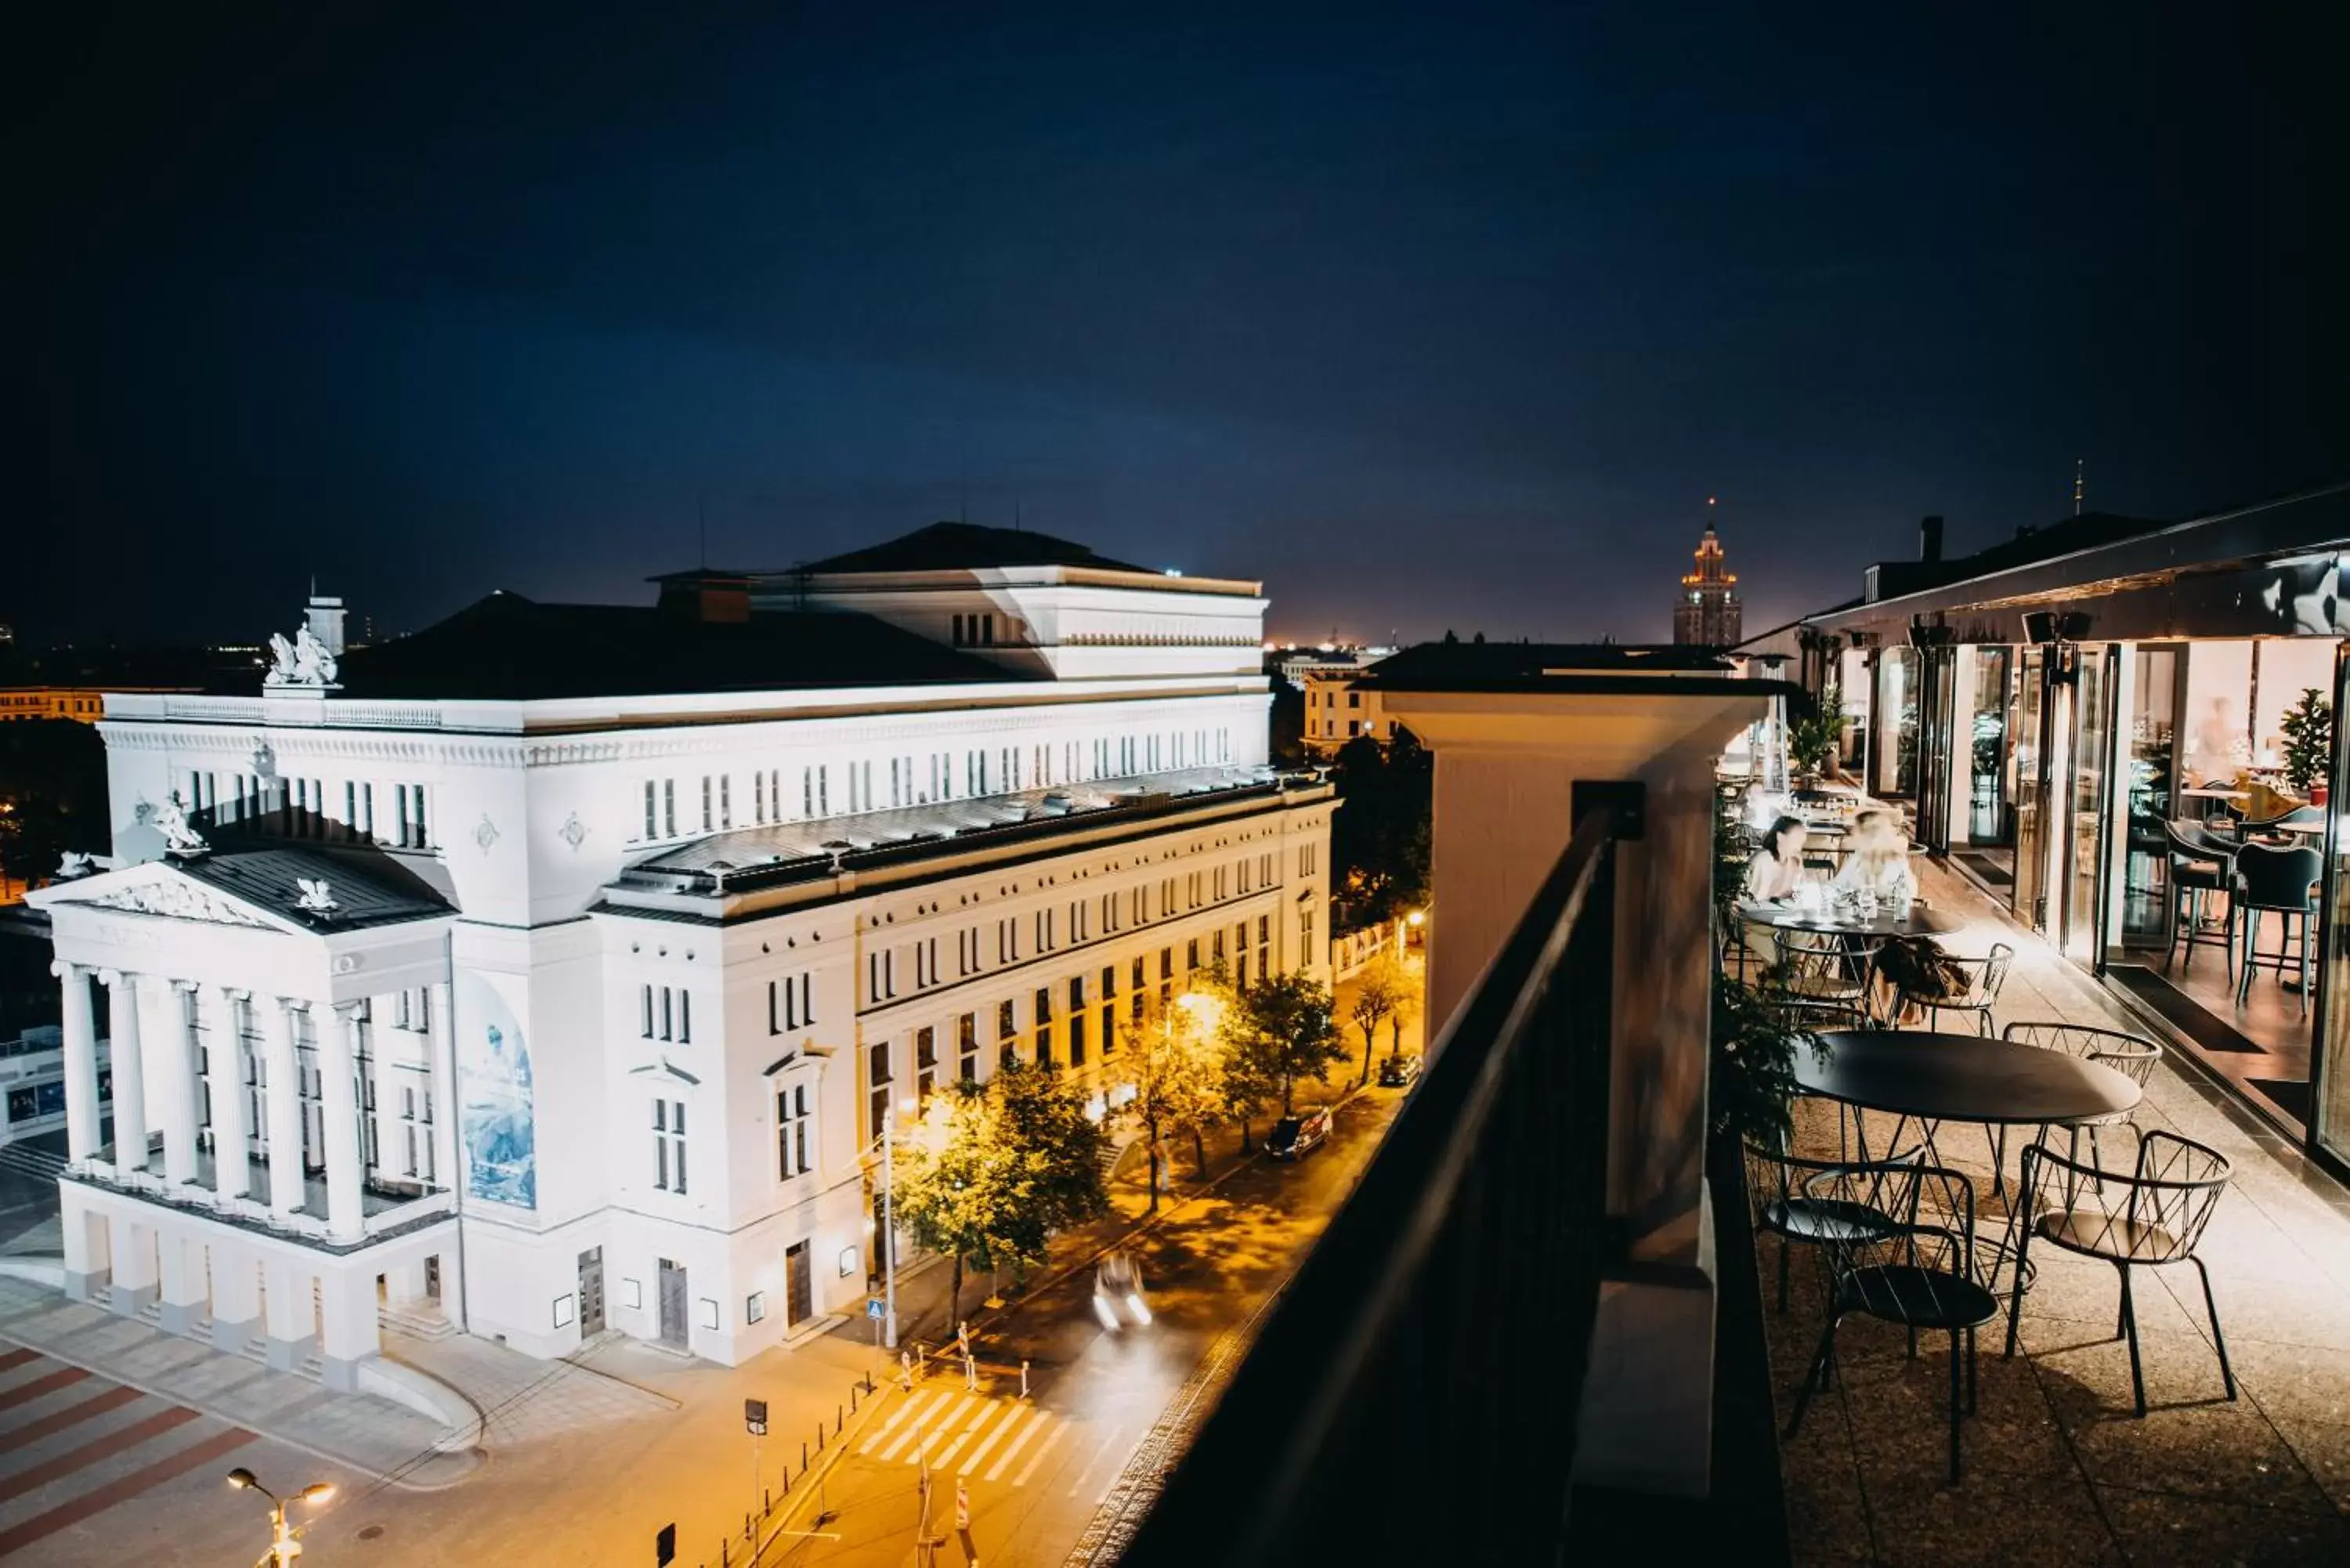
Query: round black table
(1920,921)
(1962,1078)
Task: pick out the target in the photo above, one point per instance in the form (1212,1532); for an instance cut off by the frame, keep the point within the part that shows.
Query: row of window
(309,808)
(1083,921)
(708,803)
(1329,699)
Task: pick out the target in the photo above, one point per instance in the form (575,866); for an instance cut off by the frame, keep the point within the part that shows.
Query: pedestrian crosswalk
(73,1445)
(984,1437)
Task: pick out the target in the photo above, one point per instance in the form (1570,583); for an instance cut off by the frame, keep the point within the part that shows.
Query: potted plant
(1815,740)
(2309,746)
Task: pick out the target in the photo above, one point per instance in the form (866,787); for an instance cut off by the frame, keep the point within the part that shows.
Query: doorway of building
(672,1304)
(591,1291)
(800,1285)
(2031,743)
(2089,729)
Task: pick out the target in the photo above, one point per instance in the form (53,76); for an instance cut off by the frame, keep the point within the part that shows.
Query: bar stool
(2200,864)
(2275,879)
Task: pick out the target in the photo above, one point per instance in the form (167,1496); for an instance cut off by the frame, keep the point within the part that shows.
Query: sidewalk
(358,1430)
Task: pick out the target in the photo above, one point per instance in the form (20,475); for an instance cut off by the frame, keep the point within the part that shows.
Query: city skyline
(1426,323)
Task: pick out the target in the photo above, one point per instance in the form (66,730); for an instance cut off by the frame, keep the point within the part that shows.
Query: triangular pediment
(160,889)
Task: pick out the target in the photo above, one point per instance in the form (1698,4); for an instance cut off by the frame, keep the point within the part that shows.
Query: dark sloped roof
(508,648)
(369,886)
(968,546)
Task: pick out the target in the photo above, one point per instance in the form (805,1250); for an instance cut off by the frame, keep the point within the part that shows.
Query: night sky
(1427,322)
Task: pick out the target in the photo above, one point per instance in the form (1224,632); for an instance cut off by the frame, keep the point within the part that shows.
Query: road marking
(985,1410)
(979,1453)
(72,1415)
(1021,1442)
(1125,1459)
(904,1410)
(914,1429)
(1104,1447)
(48,1383)
(42,1525)
(940,1427)
(13,1359)
(89,1453)
(1038,1457)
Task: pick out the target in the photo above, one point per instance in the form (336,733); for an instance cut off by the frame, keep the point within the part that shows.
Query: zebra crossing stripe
(1018,1443)
(1012,1419)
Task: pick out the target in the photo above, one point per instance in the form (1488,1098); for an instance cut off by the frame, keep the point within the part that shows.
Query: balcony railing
(1413,1396)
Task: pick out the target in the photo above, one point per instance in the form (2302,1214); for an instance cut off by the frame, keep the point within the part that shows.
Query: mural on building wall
(496,1113)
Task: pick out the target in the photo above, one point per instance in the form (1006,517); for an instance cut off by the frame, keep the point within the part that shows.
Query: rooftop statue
(304,662)
(171,820)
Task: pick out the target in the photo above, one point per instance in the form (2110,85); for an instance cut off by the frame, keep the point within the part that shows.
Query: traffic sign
(755,1417)
(875,1307)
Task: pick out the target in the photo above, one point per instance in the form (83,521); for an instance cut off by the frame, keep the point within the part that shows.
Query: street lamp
(283,1546)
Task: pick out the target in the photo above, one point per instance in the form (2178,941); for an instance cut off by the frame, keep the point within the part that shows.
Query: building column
(85,1238)
(181,1283)
(81,1063)
(180,1094)
(129,1073)
(285,1105)
(404,1282)
(231,1163)
(339,1105)
(444,1091)
(132,1289)
(236,1297)
(293,1317)
(351,1332)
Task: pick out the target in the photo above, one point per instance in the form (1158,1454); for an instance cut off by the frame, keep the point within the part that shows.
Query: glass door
(1934,763)
(2150,742)
(2030,743)
(2329,1091)
(2091,734)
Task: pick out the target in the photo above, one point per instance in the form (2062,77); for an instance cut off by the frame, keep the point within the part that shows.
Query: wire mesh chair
(1922,1274)
(2155,1213)
(1984,979)
(1782,1207)
(2133,1055)
(1817,966)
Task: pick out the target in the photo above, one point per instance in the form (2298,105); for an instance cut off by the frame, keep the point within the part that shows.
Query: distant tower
(2079,477)
(1707,613)
(324,614)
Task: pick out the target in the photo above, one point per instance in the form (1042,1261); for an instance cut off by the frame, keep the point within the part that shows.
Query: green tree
(1175,1074)
(964,1188)
(1380,992)
(1285,1021)
(1045,1116)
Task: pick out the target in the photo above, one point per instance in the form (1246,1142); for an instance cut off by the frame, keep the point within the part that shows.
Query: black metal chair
(2200,864)
(1782,1208)
(1922,1275)
(2133,1055)
(2154,1213)
(1817,966)
(2299,816)
(2279,879)
(1985,977)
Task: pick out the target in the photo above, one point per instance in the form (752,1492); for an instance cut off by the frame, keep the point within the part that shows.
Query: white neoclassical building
(556,969)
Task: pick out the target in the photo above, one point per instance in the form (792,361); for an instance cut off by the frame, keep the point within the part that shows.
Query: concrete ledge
(179,1317)
(288,1355)
(34,1270)
(130,1301)
(1648,1400)
(83,1287)
(422,1393)
(233,1336)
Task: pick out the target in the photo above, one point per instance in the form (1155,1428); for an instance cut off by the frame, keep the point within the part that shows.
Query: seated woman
(1777,868)
(1879,859)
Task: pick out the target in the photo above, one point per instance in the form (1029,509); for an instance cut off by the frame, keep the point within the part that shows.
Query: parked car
(1398,1071)
(1293,1137)
(1117,1292)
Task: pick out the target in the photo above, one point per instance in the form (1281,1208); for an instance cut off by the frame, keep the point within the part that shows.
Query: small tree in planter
(2309,745)
(1815,741)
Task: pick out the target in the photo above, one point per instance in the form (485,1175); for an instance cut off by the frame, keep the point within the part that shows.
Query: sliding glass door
(2329,1096)
(2029,741)
(2092,737)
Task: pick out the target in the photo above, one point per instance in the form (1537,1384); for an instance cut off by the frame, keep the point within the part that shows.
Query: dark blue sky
(1430,320)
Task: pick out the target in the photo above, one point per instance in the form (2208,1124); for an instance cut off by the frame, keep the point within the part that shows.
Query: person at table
(1777,868)
(1878,862)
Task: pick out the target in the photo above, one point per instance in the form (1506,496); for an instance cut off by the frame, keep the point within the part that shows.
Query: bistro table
(1921,920)
(1936,1077)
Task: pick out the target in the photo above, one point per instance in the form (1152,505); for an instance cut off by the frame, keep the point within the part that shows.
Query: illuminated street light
(284,1544)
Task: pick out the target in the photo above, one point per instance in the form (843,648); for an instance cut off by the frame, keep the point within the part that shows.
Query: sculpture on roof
(316,898)
(75,866)
(304,662)
(171,820)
